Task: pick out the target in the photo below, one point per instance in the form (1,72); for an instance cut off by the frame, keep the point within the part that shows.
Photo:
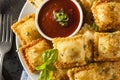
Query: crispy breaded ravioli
(107,46)
(73,51)
(35,3)
(84,28)
(32,52)
(107,15)
(60,74)
(87,31)
(25,29)
(99,71)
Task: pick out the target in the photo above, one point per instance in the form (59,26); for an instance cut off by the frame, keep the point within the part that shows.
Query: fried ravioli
(32,52)
(60,74)
(96,71)
(73,51)
(107,14)
(107,46)
(25,29)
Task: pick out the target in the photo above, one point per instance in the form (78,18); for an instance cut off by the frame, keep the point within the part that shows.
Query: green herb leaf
(41,76)
(43,66)
(50,56)
(95,27)
(45,75)
(51,67)
(61,17)
(49,75)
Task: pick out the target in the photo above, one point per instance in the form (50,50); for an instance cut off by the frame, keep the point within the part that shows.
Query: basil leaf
(41,76)
(51,67)
(50,56)
(43,66)
(48,59)
(49,76)
(45,75)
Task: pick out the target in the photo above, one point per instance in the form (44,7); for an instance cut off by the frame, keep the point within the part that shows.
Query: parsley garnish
(61,17)
(95,27)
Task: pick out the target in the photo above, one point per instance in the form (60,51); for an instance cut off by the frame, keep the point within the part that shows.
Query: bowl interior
(72,34)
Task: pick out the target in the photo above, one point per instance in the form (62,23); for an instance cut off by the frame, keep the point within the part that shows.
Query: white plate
(27,9)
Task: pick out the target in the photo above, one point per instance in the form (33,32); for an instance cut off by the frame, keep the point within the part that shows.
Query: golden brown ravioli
(32,52)
(96,71)
(73,51)
(107,46)
(87,31)
(106,14)
(60,74)
(25,29)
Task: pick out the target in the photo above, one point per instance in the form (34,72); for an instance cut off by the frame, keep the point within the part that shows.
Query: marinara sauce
(53,29)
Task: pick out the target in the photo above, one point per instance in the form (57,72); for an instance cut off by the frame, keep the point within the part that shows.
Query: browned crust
(15,25)
(61,65)
(97,2)
(96,53)
(74,70)
(22,52)
(108,26)
(60,74)
(100,65)
(106,59)
(62,39)
(68,38)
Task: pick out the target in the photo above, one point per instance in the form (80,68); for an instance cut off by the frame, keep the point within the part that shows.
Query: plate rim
(32,76)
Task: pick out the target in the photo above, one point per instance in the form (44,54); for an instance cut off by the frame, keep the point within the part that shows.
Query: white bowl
(49,38)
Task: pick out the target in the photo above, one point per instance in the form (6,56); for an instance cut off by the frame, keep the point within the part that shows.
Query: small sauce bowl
(51,28)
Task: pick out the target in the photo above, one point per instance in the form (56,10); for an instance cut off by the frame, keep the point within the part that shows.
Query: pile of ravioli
(92,54)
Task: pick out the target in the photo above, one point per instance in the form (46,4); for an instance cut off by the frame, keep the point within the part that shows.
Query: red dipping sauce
(53,29)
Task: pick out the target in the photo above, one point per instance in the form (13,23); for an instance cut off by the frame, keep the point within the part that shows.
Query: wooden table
(12,67)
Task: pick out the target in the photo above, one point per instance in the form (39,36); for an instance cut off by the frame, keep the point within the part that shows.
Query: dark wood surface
(12,67)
